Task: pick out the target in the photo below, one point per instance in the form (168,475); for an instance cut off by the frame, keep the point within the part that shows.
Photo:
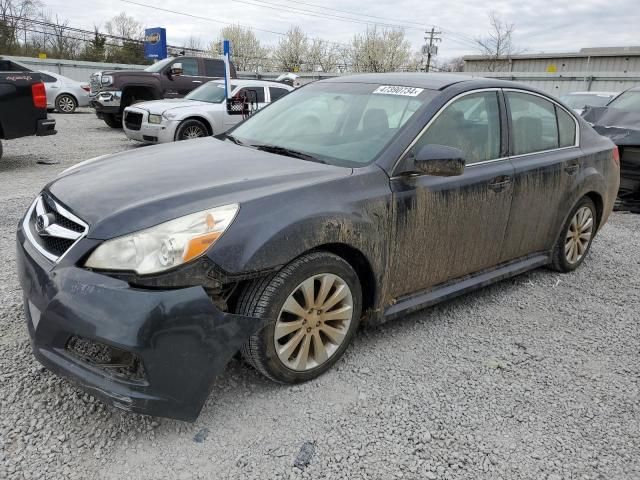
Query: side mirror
(440,161)
(176,69)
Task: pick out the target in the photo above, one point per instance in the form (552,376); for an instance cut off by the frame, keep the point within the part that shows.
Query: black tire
(111,120)
(65,103)
(559,260)
(188,128)
(265,297)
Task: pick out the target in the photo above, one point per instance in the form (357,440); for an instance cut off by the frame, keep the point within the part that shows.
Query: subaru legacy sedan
(351,200)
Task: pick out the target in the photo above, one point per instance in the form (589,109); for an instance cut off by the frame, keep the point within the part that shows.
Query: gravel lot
(536,377)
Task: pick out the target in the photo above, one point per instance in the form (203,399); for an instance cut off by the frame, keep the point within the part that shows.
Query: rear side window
(253,94)
(276,93)
(533,123)
(47,78)
(566,128)
(213,68)
(471,124)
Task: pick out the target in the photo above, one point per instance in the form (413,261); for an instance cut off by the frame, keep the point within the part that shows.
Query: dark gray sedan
(355,199)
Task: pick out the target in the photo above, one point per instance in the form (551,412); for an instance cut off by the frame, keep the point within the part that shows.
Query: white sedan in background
(201,113)
(64,94)
(578,101)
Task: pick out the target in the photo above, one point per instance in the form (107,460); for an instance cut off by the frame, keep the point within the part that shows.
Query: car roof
(264,83)
(431,81)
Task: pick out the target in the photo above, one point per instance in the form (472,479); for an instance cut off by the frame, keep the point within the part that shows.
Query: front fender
(270,232)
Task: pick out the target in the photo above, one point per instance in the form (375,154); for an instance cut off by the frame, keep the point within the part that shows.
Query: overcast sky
(541,25)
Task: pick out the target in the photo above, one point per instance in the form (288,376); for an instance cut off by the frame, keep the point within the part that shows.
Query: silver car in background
(578,101)
(64,94)
(201,113)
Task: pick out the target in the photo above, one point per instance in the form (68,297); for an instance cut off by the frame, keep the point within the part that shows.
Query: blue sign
(155,43)
(226,51)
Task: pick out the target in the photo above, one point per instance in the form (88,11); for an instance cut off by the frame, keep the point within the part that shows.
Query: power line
(311,13)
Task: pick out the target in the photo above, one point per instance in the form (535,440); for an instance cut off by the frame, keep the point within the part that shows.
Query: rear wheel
(190,129)
(315,304)
(111,120)
(576,237)
(66,103)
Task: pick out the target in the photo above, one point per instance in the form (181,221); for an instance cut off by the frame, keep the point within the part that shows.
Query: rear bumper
(46,126)
(182,340)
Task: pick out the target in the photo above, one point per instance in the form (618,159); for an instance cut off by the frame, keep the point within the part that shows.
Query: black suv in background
(113,91)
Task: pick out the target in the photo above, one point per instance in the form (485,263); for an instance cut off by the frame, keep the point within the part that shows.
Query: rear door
(448,227)
(544,151)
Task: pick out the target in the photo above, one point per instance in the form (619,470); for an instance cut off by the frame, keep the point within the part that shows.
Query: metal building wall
(75,69)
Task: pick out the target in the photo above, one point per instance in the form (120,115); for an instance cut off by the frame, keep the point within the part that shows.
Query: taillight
(39,95)
(85,87)
(616,155)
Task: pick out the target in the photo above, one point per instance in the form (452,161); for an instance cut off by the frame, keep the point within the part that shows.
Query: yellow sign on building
(43,56)
(551,68)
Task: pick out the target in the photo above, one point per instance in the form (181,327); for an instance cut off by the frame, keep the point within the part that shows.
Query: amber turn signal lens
(198,245)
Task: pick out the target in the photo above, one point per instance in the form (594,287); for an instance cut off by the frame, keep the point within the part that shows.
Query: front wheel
(111,120)
(315,304)
(576,237)
(66,103)
(190,129)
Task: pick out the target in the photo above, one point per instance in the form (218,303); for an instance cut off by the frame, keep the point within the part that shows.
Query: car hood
(122,193)
(161,106)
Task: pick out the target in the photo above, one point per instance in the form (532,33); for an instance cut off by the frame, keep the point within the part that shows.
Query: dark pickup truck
(23,104)
(113,91)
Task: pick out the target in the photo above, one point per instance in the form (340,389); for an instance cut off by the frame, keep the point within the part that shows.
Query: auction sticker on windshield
(397,90)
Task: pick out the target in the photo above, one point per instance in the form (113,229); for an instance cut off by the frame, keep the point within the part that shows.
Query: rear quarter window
(566,128)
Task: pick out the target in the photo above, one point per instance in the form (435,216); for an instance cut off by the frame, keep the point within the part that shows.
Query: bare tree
(129,49)
(291,53)
(456,64)
(192,44)
(323,55)
(497,46)
(125,26)
(59,42)
(379,51)
(15,23)
(247,53)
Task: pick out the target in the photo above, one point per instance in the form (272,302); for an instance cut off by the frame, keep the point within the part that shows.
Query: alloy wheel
(313,322)
(66,104)
(193,132)
(579,235)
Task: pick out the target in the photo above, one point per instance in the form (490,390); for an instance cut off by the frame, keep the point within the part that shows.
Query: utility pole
(431,49)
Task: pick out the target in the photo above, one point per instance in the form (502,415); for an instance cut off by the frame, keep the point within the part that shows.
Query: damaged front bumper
(167,346)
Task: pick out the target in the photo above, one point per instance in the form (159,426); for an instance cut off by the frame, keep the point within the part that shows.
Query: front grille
(133,120)
(95,83)
(51,228)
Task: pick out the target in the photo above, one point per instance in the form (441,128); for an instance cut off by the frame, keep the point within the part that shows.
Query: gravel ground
(536,377)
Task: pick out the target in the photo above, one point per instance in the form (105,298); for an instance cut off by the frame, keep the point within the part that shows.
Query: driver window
(189,66)
(471,124)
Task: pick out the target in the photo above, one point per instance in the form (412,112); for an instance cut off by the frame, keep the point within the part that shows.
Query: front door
(545,156)
(254,99)
(177,86)
(448,227)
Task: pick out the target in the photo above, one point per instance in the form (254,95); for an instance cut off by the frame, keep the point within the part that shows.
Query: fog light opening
(113,361)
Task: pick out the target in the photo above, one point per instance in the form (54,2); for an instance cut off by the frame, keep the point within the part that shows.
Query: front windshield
(629,101)
(212,92)
(158,66)
(340,123)
(581,101)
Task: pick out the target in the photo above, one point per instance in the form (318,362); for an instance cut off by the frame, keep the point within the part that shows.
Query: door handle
(499,184)
(572,168)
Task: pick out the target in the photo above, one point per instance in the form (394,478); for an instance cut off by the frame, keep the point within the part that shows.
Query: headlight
(166,245)
(155,118)
(106,80)
(169,115)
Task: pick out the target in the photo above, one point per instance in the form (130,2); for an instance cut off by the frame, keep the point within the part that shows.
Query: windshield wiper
(288,152)
(233,139)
